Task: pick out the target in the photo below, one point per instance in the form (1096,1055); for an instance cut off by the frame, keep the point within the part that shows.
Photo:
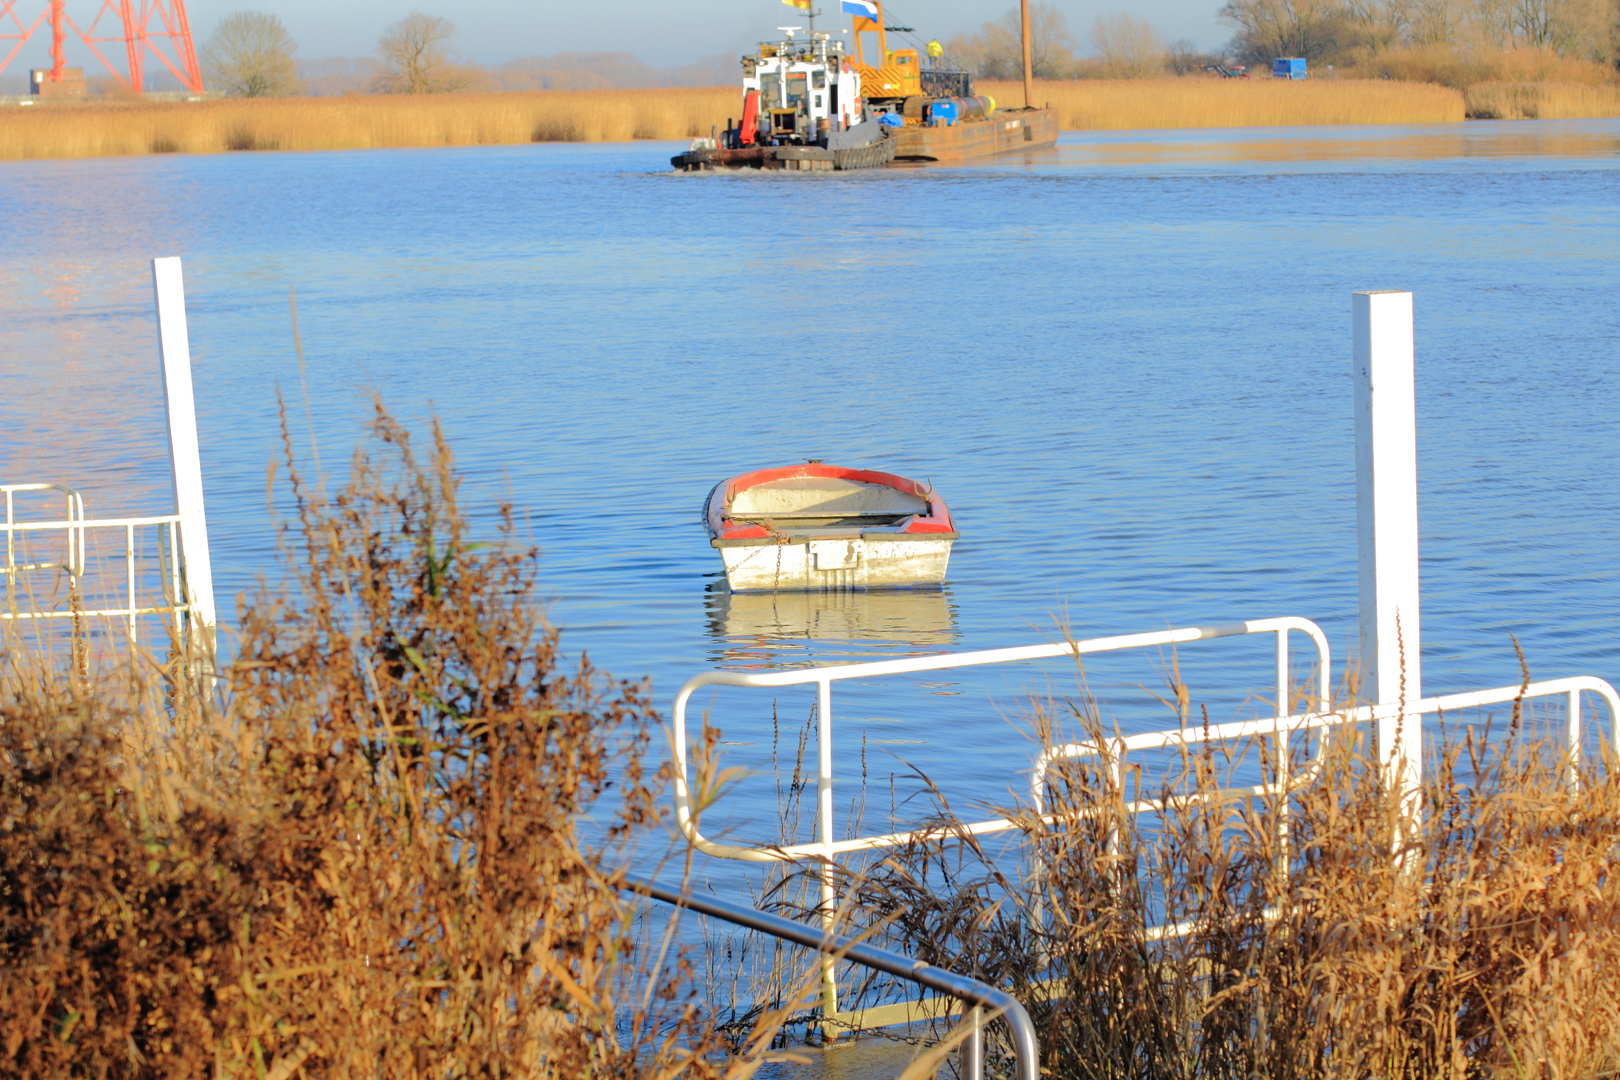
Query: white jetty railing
(826,849)
(73,535)
(1390,654)
(185,595)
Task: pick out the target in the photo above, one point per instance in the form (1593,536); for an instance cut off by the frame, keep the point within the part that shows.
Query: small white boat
(818,526)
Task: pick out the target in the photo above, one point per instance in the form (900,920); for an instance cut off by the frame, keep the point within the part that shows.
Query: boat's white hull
(853,563)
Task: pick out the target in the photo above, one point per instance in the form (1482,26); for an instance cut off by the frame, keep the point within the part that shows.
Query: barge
(820,526)
(811,105)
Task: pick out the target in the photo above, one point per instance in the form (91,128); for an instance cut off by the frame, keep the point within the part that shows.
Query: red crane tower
(147,25)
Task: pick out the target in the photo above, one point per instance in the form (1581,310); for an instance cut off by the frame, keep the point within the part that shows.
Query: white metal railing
(1116,750)
(74,529)
(825,849)
(1282,728)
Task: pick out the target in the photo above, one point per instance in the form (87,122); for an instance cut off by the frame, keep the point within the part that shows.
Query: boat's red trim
(936,520)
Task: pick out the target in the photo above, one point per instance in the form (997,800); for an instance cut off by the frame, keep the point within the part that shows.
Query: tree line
(1348,30)
(1352,33)
(251,54)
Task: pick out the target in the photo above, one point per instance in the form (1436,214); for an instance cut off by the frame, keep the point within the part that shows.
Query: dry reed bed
(1541,101)
(1110,104)
(350,123)
(367,122)
(1488,948)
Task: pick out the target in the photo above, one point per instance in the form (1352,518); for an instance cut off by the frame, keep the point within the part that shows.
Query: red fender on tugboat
(750,118)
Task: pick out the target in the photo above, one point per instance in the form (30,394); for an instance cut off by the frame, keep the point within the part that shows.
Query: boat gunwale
(868,537)
(718,521)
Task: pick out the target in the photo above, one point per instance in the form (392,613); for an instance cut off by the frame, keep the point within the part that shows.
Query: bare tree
(251,55)
(1267,29)
(1435,22)
(1184,58)
(415,53)
(996,51)
(1130,48)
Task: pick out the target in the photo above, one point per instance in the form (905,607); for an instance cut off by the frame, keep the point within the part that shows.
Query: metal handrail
(970,991)
(824,849)
(824,677)
(75,511)
(1571,687)
(76,525)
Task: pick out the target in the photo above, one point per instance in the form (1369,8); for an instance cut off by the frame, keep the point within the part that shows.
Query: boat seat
(819,496)
(821,512)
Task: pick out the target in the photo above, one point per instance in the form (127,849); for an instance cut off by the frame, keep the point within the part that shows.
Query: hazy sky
(660,33)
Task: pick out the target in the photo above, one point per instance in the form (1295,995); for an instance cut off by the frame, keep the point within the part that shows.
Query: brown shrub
(362,858)
(1478,943)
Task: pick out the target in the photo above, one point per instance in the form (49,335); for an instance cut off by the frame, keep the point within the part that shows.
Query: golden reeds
(363,122)
(1107,104)
(1324,934)
(1541,101)
(1464,67)
(366,122)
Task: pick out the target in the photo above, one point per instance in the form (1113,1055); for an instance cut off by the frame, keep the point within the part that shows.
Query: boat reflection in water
(770,631)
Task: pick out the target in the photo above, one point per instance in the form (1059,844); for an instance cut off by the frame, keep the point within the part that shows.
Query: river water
(1124,363)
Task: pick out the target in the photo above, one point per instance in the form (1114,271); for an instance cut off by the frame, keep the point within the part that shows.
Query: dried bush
(1325,936)
(365,856)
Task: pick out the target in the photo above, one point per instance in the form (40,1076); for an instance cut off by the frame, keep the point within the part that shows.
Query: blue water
(1124,363)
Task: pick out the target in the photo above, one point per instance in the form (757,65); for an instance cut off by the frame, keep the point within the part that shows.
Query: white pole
(824,822)
(1387,525)
(174,350)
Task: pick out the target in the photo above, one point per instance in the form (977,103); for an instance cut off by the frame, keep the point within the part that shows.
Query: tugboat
(809,105)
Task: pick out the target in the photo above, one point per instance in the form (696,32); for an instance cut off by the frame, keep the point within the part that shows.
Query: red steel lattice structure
(147,25)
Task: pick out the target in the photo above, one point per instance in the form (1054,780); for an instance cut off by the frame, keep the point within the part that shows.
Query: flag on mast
(865,12)
(803,5)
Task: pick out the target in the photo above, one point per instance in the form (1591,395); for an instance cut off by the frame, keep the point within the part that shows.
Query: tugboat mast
(1023,27)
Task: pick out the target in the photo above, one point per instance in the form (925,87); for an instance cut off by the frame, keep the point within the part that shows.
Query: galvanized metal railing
(972,993)
(1116,751)
(185,573)
(1282,728)
(73,530)
(825,849)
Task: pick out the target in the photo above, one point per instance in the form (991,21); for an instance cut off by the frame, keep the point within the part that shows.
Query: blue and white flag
(864,9)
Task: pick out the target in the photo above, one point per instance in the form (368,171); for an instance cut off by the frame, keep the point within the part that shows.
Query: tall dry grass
(1540,101)
(433,120)
(1326,935)
(1511,84)
(1110,104)
(1463,67)
(365,856)
(363,122)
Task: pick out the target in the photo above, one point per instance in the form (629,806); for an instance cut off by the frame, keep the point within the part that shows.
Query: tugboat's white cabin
(803,83)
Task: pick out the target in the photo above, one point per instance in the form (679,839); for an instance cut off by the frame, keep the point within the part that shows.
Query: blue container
(1292,67)
(943,113)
